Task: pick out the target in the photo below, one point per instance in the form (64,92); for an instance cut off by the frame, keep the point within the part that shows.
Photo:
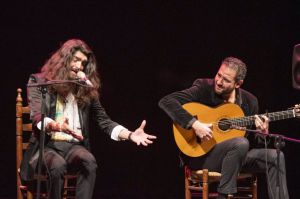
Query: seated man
(70,109)
(233,155)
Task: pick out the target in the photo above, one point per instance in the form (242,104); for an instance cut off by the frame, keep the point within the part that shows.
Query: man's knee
(58,170)
(242,145)
(92,166)
(273,156)
(90,163)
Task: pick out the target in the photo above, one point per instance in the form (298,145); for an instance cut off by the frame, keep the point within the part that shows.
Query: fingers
(203,130)
(143,124)
(262,122)
(266,119)
(207,134)
(149,141)
(209,125)
(66,120)
(144,140)
(151,137)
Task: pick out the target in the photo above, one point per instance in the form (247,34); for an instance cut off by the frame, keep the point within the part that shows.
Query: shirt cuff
(116,131)
(190,124)
(47,120)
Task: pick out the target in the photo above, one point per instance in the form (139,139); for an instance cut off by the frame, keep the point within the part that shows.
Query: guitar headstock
(297,110)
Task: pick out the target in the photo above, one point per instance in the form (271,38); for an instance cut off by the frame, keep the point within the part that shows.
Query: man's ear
(239,83)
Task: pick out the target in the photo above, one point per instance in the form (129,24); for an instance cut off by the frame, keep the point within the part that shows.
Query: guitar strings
(249,120)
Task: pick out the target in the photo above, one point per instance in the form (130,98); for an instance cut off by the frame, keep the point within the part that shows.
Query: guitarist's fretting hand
(202,130)
(262,124)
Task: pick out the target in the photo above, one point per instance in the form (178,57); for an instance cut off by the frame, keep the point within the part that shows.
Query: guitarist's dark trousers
(233,156)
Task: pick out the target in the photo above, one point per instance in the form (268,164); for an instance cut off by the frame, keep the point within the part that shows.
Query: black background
(145,50)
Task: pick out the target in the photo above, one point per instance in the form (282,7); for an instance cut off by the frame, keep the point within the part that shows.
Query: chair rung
(27,127)
(194,188)
(244,188)
(70,176)
(25,145)
(243,197)
(26,109)
(70,189)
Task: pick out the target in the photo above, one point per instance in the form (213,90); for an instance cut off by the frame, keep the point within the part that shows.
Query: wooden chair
(23,132)
(198,183)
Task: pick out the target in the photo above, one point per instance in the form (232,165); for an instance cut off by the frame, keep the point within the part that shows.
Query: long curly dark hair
(57,68)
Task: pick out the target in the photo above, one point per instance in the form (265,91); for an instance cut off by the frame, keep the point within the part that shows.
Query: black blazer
(202,91)
(90,112)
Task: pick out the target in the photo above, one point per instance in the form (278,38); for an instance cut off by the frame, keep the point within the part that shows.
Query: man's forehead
(80,55)
(227,72)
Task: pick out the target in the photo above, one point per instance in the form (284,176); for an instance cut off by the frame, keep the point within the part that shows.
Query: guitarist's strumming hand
(202,130)
(262,123)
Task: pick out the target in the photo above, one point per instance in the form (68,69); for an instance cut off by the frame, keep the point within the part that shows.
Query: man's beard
(223,92)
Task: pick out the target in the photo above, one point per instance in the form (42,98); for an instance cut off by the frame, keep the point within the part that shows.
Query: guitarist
(233,155)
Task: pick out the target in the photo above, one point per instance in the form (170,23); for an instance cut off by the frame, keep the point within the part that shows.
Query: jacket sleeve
(34,101)
(172,104)
(34,96)
(100,117)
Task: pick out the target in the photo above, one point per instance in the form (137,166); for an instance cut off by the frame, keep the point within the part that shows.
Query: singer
(70,110)
(233,155)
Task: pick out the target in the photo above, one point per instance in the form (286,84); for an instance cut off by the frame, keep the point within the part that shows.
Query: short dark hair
(238,65)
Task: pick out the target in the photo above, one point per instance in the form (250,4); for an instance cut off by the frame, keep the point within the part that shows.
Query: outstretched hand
(140,137)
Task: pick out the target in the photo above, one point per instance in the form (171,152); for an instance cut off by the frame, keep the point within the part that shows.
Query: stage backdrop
(145,50)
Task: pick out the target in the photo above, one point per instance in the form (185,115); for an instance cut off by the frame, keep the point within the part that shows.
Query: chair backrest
(23,132)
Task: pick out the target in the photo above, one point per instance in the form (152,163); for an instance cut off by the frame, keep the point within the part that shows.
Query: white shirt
(70,111)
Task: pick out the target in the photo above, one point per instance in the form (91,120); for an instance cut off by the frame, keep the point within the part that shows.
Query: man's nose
(78,66)
(219,81)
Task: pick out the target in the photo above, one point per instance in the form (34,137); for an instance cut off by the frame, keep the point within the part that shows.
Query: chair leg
(230,196)
(205,184)
(65,190)
(186,182)
(254,187)
(19,193)
(29,195)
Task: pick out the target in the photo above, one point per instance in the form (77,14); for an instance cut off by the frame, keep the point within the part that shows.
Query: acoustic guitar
(226,119)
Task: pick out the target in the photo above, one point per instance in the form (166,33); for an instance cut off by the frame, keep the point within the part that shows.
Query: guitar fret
(227,118)
(250,120)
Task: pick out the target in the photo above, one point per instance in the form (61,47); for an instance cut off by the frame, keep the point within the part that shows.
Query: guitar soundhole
(224,124)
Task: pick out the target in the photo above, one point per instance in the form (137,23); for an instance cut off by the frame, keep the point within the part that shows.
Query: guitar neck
(274,116)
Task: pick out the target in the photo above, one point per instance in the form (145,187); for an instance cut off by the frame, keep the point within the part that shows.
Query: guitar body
(190,144)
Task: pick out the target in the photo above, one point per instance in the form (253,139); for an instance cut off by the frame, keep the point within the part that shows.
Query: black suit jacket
(202,91)
(90,112)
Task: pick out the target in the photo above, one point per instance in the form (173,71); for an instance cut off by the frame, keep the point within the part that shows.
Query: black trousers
(61,157)
(233,156)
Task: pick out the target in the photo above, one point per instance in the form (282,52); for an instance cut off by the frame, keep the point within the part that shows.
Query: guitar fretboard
(274,116)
